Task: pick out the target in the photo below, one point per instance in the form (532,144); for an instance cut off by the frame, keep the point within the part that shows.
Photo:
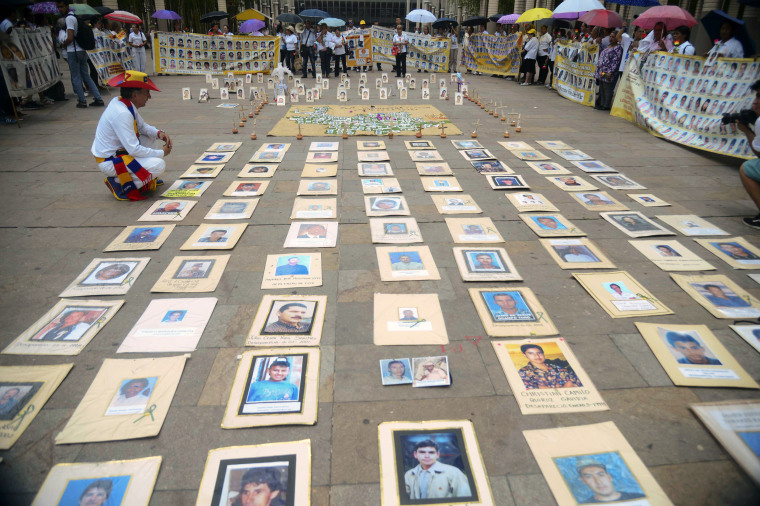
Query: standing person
(137,41)
(339,52)
(466,41)
(606,74)
(453,59)
(308,50)
(400,42)
(291,46)
(553,54)
(325,52)
(544,46)
(656,40)
(626,42)
(363,26)
(750,170)
(77,58)
(283,46)
(379,65)
(398,22)
(530,50)
(728,46)
(681,44)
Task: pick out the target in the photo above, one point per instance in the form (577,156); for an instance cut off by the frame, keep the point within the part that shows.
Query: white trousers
(139,58)
(155,166)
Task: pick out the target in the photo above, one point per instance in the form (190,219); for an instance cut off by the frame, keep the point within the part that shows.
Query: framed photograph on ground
(128,399)
(276,156)
(459,204)
(380,185)
(467,144)
(531,202)
(511,312)
(671,255)
(619,182)
(322,157)
(214,158)
(324,146)
(288,320)
(491,166)
(395,230)
(232,209)
(257,170)
(433,169)
(378,169)
(593,464)
(372,156)
(548,168)
(274,386)
(202,171)
(224,147)
(246,188)
(317,187)
(533,365)
(506,182)
(572,154)
(409,263)
(106,276)
(572,183)
(477,154)
(735,425)
(431,372)
(186,188)
(620,294)
(735,251)
(552,145)
(140,238)
(426,156)
(693,356)
(691,224)
(277,473)
(166,210)
(408,319)
(485,264)
(370,145)
(419,144)
(312,234)
(441,184)
(529,155)
(66,329)
(291,271)
(120,481)
(719,295)
(319,170)
(192,274)
(309,209)
(169,325)
(750,333)
(648,200)
(551,225)
(593,166)
(576,254)
(396,371)
(386,206)
(24,390)
(407,449)
(275,146)
(514,145)
(214,236)
(598,201)
(473,230)
(634,224)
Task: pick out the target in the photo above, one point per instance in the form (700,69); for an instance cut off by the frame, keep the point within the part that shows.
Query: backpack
(84,37)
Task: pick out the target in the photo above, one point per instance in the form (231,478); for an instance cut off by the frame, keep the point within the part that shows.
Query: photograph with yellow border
(140,238)
(511,312)
(406,263)
(719,295)
(408,319)
(671,255)
(620,295)
(196,274)
(578,253)
(735,251)
(288,320)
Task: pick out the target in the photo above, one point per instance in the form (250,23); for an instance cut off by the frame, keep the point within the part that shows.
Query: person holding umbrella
(728,46)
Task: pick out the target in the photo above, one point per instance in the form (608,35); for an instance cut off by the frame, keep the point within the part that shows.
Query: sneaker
(115,189)
(753,222)
(98,102)
(30,105)
(524,84)
(82,105)
(5,120)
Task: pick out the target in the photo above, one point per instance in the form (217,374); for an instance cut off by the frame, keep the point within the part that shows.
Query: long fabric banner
(683,98)
(193,53)
(28,62)
(111,56)
(574,70)
(492,54)
(425,52)
(358,48)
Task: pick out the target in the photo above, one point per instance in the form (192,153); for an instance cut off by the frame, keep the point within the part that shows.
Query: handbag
(394,51)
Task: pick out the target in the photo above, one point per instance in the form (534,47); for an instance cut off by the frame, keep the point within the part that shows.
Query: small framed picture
(431,371)
(396,371)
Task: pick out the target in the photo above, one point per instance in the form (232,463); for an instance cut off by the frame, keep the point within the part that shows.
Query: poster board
(408,319)
(288,320)
(511,312)
(574,68)
(620,295)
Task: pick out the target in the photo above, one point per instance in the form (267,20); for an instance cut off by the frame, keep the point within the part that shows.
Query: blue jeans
(81,72)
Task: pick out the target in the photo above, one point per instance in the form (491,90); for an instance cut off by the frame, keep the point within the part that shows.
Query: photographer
(750,170)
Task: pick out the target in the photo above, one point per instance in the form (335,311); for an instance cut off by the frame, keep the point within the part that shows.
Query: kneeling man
(120,147)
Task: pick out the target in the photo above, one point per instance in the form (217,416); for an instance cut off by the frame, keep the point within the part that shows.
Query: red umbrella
(602,17)
(124,17)
(672,15)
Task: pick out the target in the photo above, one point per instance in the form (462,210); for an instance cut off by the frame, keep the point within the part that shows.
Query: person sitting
(129,165)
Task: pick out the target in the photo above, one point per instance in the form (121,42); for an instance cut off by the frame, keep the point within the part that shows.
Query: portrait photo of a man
(599,478)
(734,251)
(132,396)
(508,306)
(292,265)
(633,222)
(406,261)
(143,235)
(575,253)
(395,228)
(485,261)
(263,482)
(15,395)
(385,204)
(396,371)
(688,348)
(275,385)
(537,371)
(70,324)
(718,294)
(215,235)
(548,223)
(109,273)
(290,317)
(194,269)
(173,316)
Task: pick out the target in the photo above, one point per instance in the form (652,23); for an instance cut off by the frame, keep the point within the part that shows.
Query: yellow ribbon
(147,412)
(19,418)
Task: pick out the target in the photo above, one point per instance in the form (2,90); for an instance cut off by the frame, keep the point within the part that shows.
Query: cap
(588,462)
(362,22)
(133,79)
(290,27)
(532,30)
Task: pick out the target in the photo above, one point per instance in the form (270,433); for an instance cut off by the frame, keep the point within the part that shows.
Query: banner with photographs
(425,52)
(492,54)
(358,48)
(193,53)
(111,56)
(574,71)
(28,62)
(683,99)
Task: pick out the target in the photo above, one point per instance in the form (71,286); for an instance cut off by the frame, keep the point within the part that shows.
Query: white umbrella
(573,9)
(421,16)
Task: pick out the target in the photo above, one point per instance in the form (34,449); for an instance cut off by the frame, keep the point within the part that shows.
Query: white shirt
(544,43)
(323,43)
(645,44)
(484,32)
(400,39)
(686,48)
(626,43)
(308,37)
(72,24)
(756,142)
(339,44)
(291,41)
(532,48)
(453,39)
(732,48)
(6,25)
(116,130)
(137,39)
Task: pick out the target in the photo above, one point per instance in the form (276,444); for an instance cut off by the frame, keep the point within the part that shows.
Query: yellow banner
(492,54)
(358,48)
(574,70)
(425,52)
(193,53)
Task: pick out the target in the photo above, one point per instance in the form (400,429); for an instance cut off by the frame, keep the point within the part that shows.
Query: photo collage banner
(358,48)
(424,52)
(492,54)
(193,53)
(111,56)
(683,99)
(574,71)
(28,62)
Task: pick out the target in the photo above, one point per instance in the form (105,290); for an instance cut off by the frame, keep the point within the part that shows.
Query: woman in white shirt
(400,43)
(339,52)
(137,42)
(681,44)
(291,45)
(728,46)
(529,60)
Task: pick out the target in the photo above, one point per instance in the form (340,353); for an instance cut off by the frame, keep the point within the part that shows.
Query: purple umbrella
(44,8)
(252,25)
(165,14)
(509,19)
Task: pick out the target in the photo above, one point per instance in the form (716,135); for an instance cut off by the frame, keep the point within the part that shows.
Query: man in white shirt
(625,41)
(544,45)
(529,60)
(325,50)
(130,166)
(77,59)
(400,44)
(308,50)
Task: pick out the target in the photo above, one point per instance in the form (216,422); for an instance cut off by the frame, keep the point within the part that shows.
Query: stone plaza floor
(56,216)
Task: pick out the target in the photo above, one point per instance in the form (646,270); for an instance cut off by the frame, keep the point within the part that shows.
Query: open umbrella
(671,15)
(252,25)
(638,3)
(332,22)
(165,14)
(85,10)
(123,17)
(313,13)
(475,21)
(509,19)
(573,9)
(602,17)
(421,16)
(103,10)
(213,16)
(495,18)
(534,15)
(251,14)
(44,8)
(289,17)
(444,23)
(714,19)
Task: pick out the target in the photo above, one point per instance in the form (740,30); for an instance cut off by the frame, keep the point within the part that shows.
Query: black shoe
(753,222)
(304,76)
(30,105)
(98,102)
(82,105)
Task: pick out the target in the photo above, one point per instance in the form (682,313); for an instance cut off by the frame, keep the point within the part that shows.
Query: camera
(745,117)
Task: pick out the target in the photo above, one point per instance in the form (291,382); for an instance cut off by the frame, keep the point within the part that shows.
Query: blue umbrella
(332,22)
(313,13)
(714,19)
(636,3)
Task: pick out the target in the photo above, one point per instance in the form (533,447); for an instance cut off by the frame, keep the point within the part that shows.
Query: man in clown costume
(122,140)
